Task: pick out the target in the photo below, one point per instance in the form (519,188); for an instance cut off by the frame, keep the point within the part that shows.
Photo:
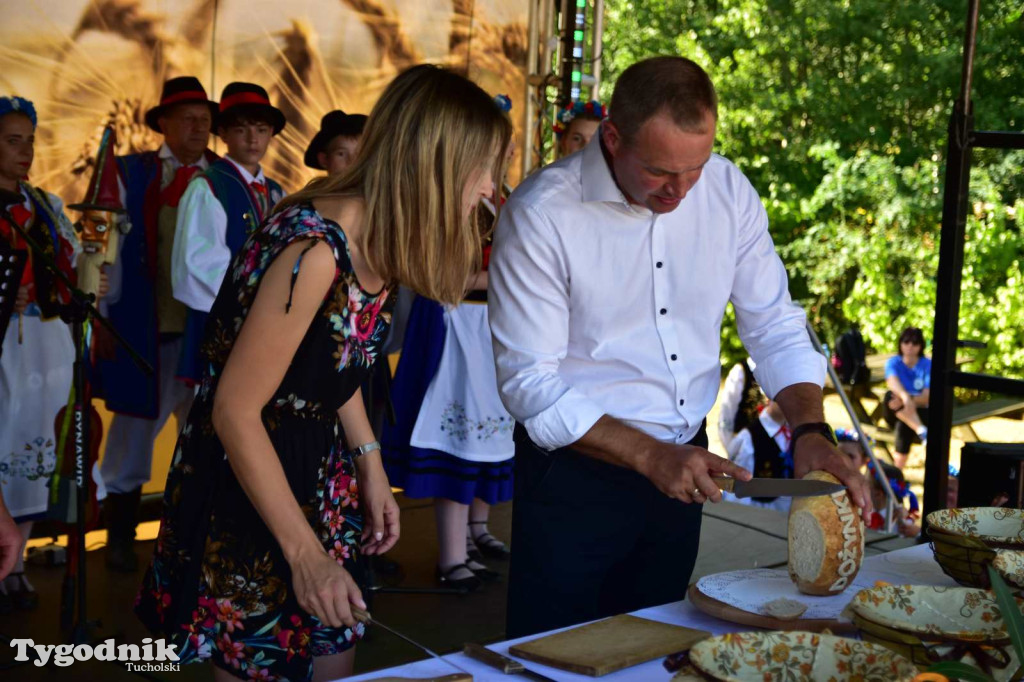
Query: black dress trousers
(591,539)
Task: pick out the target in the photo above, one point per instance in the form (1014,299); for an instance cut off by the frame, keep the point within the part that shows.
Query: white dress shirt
(201,256)
(601,307)
(169,165)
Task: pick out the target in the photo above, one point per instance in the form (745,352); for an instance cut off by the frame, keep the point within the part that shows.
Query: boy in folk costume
(142,308)
(38,353)
(334,147)
(220,208)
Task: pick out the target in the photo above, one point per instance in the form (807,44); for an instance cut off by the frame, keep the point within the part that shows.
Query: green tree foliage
(837,111)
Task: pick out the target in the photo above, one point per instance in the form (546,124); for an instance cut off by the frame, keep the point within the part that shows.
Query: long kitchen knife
(776,487)
(365,617)
(509,666)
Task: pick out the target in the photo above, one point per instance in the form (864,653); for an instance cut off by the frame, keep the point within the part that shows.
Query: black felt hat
(181,90)
(250,97)
(332,125)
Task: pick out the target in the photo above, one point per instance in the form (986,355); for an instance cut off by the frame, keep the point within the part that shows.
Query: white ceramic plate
(963,613)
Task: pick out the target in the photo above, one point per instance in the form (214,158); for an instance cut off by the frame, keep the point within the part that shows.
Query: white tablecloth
(913,565)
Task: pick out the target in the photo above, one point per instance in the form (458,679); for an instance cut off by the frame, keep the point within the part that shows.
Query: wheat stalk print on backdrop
(87,62)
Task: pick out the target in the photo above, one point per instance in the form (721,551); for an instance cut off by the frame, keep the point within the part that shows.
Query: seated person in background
(905,518)
(576,124)
(908,377)
(739,403)
(763,447)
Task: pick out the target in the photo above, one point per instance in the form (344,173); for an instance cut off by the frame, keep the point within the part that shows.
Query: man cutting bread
(610,275)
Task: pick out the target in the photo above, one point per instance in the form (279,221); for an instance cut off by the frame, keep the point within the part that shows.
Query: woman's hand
(325,589)
(380,511)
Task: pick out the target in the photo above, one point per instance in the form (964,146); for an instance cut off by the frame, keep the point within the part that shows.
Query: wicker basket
(903,619)
(962,548)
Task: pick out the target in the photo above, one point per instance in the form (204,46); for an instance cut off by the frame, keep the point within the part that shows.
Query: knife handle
(507,665)
(724,483)
(360,615)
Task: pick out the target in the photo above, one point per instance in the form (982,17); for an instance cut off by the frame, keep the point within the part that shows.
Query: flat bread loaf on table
(826,540)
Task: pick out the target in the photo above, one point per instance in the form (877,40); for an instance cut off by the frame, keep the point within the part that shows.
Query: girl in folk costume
(576,124)
(276,483)
(452,438)
(38,354)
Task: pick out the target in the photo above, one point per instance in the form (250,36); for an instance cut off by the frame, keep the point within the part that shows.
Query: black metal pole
(950,272)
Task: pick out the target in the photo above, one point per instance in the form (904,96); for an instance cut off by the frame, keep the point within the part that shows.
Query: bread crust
(840,542)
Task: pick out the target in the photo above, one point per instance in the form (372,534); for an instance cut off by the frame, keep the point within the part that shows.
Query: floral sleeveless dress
(218,585)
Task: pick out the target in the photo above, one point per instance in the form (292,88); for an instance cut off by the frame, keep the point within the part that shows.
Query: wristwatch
(814,427)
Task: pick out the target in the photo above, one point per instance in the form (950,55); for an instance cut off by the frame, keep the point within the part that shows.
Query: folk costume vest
(769,459)
(124,386)
(41,225)
(244,211)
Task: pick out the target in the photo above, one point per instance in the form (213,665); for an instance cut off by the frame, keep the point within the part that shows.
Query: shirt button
(658,264)
(674,356)
(664,311)
(681,401)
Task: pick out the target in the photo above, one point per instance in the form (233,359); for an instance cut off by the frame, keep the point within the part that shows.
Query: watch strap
(814,427)
(367,447)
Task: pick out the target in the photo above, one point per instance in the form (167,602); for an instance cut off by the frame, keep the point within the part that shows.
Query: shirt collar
(596,176)
(246,175)
(165,154)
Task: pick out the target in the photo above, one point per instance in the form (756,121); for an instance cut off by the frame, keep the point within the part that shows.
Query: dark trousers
(590,540)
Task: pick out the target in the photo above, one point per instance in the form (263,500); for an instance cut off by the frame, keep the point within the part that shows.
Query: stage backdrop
(86,62)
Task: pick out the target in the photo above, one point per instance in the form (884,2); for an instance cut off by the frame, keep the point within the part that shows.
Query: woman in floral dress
(263,515)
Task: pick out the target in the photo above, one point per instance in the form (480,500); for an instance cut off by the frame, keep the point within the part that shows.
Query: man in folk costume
(143,309)
(219,210)
(37,353)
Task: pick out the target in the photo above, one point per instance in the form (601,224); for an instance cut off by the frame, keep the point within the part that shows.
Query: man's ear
(611,137)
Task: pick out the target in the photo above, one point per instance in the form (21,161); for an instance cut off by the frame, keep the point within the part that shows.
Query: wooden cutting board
(727,612)
(609,645)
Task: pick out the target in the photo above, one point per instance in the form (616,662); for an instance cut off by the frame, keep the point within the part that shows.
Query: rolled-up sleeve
(773,328)
(528,307)
(200,257)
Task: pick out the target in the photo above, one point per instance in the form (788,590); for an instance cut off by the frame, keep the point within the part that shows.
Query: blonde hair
(426,138)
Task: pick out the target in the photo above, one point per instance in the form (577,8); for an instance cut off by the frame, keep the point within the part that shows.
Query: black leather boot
(121,512)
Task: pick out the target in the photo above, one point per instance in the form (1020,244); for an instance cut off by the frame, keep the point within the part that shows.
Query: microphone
(7,198)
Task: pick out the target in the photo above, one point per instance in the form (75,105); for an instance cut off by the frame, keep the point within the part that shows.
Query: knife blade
(365,617)
(509,666)
(776,487)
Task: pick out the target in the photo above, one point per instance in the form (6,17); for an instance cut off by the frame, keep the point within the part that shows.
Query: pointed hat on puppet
(103,194)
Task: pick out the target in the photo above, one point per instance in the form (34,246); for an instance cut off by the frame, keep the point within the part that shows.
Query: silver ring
(696,491)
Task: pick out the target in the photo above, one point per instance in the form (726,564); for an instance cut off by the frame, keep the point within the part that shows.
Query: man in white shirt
(141,307)
(610,275)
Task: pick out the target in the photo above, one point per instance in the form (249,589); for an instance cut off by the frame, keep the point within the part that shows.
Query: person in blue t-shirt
(908,376)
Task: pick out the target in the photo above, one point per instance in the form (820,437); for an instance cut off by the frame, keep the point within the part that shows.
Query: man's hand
(814,452)
(684,472)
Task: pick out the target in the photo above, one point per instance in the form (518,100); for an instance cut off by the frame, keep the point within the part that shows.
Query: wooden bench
(963,417)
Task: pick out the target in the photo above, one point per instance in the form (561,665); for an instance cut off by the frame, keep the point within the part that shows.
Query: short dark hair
(911,335)
(676,85)
(245,115)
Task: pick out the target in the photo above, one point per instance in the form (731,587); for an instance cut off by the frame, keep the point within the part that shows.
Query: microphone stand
(76,313)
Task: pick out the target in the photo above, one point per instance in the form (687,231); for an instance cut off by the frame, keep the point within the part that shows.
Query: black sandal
(488,575)
(488,545)
(470,583)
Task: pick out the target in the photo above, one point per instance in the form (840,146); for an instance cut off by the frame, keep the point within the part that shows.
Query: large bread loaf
(826,540)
